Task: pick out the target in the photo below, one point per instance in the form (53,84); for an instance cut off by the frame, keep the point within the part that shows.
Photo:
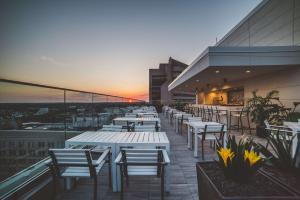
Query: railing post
(65,115)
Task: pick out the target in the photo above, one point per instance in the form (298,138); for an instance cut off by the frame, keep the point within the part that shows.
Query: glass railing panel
(80,111)
(31,121)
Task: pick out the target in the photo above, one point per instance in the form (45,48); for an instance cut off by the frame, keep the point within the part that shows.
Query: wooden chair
(78,163)
(142,162)
(209,133)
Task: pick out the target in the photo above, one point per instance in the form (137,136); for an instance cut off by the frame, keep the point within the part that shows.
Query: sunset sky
(108,46)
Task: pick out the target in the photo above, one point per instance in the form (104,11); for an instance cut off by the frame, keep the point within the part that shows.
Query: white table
(178,117)
(116,140)
(138,119)
(144,114)
(197,126)
(295,127)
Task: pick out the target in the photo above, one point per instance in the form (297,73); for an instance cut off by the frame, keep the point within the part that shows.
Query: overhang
(217,64)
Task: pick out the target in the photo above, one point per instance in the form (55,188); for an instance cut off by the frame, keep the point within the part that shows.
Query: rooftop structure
(261,53)
(160,78)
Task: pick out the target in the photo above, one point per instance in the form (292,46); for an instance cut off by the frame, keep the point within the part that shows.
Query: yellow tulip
(252,157)
(225,154)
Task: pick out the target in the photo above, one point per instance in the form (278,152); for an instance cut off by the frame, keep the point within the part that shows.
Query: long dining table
(138,119)
(117,140)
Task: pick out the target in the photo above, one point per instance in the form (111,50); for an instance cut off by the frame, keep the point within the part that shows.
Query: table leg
(225,139)
(168,172)
(195,144)
(114,169)
(189,136)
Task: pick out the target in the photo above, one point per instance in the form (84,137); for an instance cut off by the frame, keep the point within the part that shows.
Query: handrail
(64,89)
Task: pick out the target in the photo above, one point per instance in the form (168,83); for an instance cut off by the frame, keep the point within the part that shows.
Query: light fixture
(197,80)
(217,71)
(247,71)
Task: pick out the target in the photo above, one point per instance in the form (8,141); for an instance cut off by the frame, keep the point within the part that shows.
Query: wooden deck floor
(183,176)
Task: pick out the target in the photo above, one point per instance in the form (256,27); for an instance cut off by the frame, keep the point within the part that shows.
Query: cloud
(54,61)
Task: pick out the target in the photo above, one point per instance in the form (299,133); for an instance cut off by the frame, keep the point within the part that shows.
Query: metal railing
(36,117)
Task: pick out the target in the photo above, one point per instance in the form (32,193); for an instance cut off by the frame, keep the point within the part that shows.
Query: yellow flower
(225,154)
(252,157)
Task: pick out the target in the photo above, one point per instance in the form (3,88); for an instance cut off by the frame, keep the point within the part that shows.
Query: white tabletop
(92,137)
(200,124)
(137,119)
(142,137)
(120,137)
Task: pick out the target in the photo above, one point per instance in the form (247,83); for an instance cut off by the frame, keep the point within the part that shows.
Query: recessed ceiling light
(248,71)
(217,71)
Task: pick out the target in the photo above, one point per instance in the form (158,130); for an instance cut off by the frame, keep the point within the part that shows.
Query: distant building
(160,78)
(21,148)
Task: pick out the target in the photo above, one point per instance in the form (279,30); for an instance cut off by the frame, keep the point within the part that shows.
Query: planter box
(214,186)
(277,176)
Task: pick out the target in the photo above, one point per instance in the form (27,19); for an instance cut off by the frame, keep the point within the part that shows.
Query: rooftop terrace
(183,176)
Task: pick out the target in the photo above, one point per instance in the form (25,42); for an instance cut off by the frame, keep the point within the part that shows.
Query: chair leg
(122,183)
(109,171)
(229,127)
(95,188)
(162,183)
(202,148)
(181,128)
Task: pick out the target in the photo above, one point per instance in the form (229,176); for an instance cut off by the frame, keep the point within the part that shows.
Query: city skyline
(107,47)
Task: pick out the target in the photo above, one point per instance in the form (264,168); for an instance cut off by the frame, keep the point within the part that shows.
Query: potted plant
(266,108)
(236,175)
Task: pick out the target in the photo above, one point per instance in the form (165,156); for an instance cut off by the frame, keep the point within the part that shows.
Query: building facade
(160,78)
(262,52)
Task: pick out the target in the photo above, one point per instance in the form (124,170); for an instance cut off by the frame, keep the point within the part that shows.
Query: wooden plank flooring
(183,176)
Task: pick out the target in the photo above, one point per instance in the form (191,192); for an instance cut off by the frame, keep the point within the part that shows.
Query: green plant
(267,108)
(293,116)
(239,160)
(280,154)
